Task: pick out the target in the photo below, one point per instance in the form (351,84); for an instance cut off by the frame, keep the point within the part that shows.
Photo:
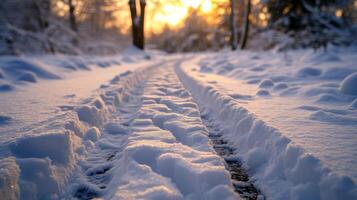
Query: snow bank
(42,164)
(40,167)
(281,169)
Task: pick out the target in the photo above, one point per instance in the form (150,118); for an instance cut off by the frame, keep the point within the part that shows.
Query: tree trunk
(141,28)
(72,16)
(234,32)
(246,25)
(43,10)
(138,23)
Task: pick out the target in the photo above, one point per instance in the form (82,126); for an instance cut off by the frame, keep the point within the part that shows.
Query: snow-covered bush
(308,24)
(35,27)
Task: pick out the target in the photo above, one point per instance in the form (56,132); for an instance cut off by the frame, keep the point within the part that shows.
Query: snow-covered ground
(309,97)
(143,129)
(37,89)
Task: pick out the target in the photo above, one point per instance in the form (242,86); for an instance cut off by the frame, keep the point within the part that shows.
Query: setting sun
(172,14)
(204,5)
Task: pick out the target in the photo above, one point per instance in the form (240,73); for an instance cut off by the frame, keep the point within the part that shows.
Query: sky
(161,13)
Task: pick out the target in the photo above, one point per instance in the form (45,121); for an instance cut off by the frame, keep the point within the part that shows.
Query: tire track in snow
(179,96)
(96,169)
(167,137)
(172,141)
(240,179)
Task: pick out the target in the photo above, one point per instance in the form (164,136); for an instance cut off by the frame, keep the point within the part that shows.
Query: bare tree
(72,16)
(245,29)
(138,23)
(234,32)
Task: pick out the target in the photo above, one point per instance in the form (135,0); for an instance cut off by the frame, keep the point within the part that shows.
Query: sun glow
(172,14)
(203,5)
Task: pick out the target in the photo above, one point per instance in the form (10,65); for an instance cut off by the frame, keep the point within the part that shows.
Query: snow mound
(266,84)
(94,115)
(58,147)
(308,72)
(45,163)
(16,66)
(76,126)
(9,177)
(28,69)
(92,134)
(349,84)
(39,179)
(263,93)
(5,120)
(6,87)
(28,77)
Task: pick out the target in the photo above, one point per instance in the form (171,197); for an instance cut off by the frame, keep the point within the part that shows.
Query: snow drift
(39,165)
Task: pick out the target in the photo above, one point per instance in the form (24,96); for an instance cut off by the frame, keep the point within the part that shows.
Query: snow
(266,84)
(55,97)
(292,154)
(44,163)
(93,115)
(9,177)
(4,120)
(164,153)
(115,128)
(308,103)
(92,134)
(349,84)
(139,127)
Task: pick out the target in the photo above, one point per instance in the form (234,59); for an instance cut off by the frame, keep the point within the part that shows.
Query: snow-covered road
(163,151)
(159,130)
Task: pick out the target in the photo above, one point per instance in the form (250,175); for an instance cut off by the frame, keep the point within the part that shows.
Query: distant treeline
(92,26)
(281,24)
(58,26)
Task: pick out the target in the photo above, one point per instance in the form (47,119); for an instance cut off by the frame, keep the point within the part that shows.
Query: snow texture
(309,96)
(140,135)
(282,170)
(349,84)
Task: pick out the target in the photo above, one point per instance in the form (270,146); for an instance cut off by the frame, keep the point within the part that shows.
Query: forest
(103,26)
